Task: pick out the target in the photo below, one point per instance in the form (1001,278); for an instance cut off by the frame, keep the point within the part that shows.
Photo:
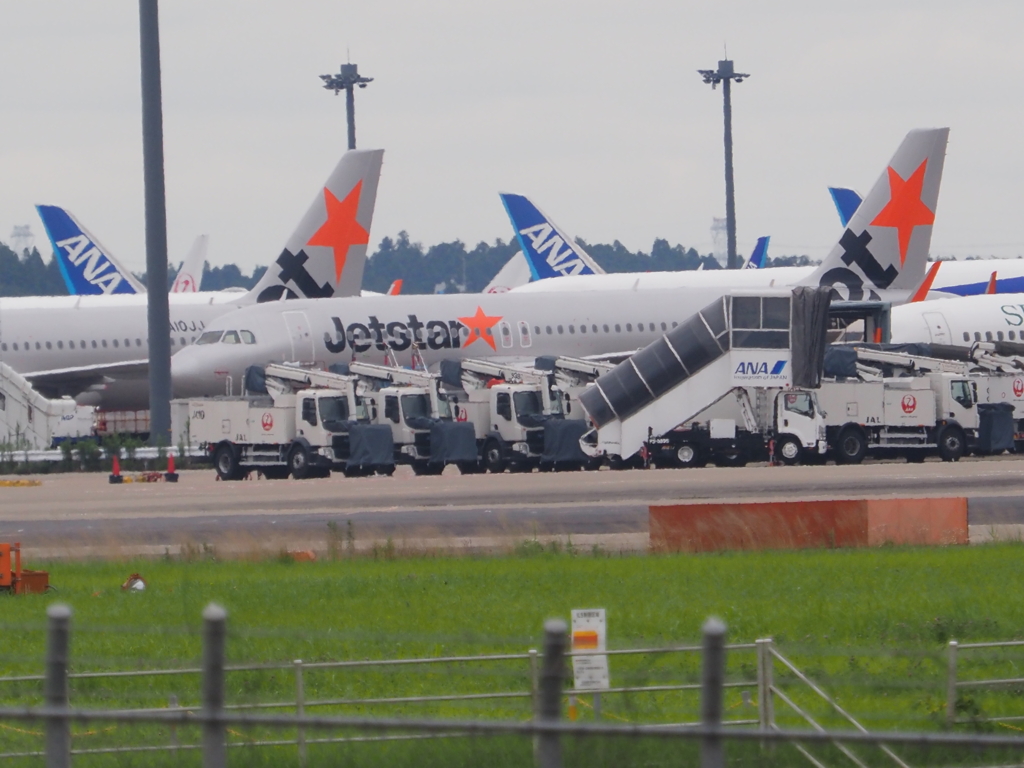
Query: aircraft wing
(72,381)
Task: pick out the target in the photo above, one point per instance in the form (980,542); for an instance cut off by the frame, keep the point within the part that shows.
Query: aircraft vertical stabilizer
(87,267)
(326,254)
(549,251)
(190,277)
(759,258)
(882,254)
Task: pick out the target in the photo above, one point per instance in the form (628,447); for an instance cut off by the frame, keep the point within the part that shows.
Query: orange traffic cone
(115,471)
(170,475)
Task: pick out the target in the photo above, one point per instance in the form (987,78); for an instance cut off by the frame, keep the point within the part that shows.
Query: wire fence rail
(215,719)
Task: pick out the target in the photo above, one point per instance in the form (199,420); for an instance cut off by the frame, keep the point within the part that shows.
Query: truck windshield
(800,402)
(333,412)
(415,406)
(527,403)
(444,409)
(961,392)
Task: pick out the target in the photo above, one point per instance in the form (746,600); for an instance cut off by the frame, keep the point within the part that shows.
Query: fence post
(55,686)
(549,710)
(534,698)
(214,630)
(764,684)
(712,681)
(172,703)
(951,685)
(300,710)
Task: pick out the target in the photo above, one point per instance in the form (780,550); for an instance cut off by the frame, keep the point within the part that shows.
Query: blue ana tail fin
(549,251)
(847,202)
(759,258)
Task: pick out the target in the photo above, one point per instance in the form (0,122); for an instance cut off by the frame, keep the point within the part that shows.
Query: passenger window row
(82,344)
(1010,336)
(560,329)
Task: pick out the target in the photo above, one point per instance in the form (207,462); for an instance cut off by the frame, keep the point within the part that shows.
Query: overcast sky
(594,109)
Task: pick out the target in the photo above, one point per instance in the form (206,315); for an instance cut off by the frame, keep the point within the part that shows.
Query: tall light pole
(346,81)
(725,75)
(158,311)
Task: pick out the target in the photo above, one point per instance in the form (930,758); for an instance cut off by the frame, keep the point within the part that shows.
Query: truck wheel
(494,460)
(226,462)
(470,467)
(421,468)
(788,450)
(951,443)
(689,455)
(851,445)
(298,463)
(731,459)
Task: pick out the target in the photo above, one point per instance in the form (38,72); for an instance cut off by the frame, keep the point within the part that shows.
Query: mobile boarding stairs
(770,338)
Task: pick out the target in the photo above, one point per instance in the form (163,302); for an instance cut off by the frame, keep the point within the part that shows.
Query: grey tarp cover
(840,361)
(255,380)
(451,373)
(808,335)
(995,427)
(562,440)
(452,442)
(370,445)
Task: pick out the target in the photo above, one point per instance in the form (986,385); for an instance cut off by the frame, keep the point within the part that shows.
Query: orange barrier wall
(800,524)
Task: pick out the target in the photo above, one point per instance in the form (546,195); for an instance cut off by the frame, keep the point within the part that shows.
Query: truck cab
(799,426)
(411,412)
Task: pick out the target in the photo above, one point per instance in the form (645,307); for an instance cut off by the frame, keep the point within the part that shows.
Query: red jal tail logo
(1018,387)
(909,403)
(268,421)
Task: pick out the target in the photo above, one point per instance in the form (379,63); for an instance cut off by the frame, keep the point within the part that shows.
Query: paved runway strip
(83,513)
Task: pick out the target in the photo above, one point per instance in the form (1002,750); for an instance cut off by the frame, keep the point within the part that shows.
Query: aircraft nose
(191,375)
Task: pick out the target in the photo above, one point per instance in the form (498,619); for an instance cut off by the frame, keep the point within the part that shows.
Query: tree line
(445,267)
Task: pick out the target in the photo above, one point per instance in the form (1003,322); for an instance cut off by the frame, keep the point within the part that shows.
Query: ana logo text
(94,266)
(543,239)
(758,368)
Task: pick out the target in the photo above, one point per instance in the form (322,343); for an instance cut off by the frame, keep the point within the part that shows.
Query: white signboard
(589,633)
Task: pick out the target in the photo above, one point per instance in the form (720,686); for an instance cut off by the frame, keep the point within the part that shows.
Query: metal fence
(214,716)
(955,685)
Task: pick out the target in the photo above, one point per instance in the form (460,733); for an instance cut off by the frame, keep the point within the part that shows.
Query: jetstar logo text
(400,335)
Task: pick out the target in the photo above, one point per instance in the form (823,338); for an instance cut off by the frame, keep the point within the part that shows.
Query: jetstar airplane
(89,269)
(95,347)
(961,321)
(881,255)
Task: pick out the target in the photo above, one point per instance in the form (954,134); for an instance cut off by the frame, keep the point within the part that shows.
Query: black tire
(226,462)
(389,469)
(470,467)
(952,443)
(354,472)
(425,469)
(298,463)
(731,459)
(915,457)
(788,450)
(276,473)
(689,455)
(519,467)
(851,445)
(494,459)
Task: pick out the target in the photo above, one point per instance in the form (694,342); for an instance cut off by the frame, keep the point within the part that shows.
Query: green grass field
(870,626)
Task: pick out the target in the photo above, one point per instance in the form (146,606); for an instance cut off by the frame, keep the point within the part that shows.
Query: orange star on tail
(341,230)
(904,211)
(479,326)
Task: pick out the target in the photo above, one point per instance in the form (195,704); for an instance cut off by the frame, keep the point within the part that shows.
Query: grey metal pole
(300,710)
(214,734)
(951,684)
(730,194)
(712,754)
(55,686)
(350,112)
(158,314)
(552,675)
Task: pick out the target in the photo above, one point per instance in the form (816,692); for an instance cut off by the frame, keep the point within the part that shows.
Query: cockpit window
(210,337)
(231,337)
(247,337)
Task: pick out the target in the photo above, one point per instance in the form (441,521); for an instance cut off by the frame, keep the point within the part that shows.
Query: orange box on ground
(803,524)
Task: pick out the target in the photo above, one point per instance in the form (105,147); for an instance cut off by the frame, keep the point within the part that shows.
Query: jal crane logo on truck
(909,403)
(1018,387)
(267,421)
